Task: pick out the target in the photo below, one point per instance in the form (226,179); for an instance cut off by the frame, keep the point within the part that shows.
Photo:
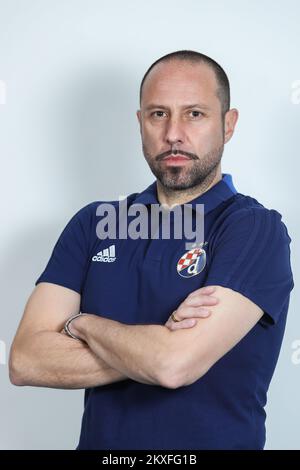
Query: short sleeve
(251,255)
(69,259)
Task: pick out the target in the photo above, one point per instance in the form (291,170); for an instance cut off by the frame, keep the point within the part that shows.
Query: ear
(231,118)
(139,116)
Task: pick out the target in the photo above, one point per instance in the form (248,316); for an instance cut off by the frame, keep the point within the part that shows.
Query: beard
(188,176)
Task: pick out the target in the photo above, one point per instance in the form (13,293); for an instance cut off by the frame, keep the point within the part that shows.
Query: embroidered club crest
(192,262)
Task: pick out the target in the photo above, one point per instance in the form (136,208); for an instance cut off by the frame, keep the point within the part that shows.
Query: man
(177,347)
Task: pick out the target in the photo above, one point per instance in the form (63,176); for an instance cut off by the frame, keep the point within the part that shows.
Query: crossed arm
(152,354)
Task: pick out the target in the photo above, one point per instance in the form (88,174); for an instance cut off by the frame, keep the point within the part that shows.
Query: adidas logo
(106,256)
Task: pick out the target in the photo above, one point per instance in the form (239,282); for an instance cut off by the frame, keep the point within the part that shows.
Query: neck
(171,197)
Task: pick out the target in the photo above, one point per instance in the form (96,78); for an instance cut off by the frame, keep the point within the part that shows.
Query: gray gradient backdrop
(69,135)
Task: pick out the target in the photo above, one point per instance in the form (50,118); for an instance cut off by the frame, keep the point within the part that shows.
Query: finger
(207,289)
(201,299)
(200,312)
(191,312)
(204,290)
(169,323)
(184,324)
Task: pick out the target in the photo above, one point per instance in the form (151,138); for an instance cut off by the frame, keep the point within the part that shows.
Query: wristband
(67,324)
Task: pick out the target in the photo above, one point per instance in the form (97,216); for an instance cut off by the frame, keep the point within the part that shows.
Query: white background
(69,136)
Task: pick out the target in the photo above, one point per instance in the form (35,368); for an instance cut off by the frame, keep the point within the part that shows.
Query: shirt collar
(218,193)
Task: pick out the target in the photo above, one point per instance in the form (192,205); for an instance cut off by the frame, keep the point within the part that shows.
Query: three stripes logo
(106,256)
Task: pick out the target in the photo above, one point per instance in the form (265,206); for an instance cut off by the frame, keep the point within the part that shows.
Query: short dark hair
(223,91)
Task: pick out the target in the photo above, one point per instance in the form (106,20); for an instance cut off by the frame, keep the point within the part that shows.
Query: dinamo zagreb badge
(192,262)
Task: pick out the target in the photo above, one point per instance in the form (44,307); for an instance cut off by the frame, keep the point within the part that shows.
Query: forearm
(137,351)
(51,359)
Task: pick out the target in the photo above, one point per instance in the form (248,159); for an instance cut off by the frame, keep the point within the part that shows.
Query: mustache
(161,156)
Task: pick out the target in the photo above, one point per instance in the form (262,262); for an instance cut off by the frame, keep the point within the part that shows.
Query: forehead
(174,81)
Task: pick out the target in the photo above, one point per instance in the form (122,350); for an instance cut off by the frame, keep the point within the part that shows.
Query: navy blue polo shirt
(142,281)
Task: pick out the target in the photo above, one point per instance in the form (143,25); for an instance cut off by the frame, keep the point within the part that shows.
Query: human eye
(157,114)
(194,113)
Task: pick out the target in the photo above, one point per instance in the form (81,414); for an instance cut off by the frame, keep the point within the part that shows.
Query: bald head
(184,58)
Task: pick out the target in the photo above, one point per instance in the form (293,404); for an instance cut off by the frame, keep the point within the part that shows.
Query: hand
(193,307)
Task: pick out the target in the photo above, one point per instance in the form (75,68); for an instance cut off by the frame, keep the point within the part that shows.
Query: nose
(174,132)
